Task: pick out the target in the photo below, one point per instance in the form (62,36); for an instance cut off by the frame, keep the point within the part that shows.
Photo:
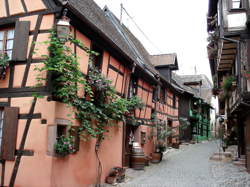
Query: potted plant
(4,64)
(160,144)
(159,149)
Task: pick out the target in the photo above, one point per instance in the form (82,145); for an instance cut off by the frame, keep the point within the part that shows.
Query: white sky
(173,26)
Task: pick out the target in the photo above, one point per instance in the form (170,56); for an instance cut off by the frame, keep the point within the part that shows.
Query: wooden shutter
(21,39)
(10,125)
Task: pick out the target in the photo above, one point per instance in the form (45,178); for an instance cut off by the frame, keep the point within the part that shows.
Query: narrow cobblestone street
(190,167)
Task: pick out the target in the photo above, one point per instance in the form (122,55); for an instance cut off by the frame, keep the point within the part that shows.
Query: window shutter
(10,126)
(21,40)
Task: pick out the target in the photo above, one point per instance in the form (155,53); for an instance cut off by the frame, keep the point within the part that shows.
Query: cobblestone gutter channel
(189,167)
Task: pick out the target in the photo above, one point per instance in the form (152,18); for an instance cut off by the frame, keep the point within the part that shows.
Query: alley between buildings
(190,167)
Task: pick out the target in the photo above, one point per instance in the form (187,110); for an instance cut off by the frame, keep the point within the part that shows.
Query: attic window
(236,4)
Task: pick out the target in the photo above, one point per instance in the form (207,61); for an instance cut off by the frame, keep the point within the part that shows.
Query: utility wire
(137,26)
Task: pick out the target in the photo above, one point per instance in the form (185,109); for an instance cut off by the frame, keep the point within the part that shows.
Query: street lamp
(63,27)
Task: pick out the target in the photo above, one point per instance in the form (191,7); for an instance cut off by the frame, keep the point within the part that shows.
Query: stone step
(226,154)
(220,157)
(239,163)
(242,159)
(243,156)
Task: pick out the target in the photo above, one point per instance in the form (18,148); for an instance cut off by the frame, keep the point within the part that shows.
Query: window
(162,95)
(6,41)
(97,59)
(174,101)
(156,93)
(236,4)
(132,87)
(62,127)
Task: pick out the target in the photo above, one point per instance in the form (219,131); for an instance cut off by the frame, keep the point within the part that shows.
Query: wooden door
(129,134)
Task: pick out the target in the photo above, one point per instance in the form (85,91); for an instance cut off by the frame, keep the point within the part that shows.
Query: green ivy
(4,60)
(101,106)
(4,63)
(227,84)
(64,145)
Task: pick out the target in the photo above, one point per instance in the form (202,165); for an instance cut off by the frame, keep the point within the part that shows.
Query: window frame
(162,95)
(133,86)
(97,60)
(231,8)
(5,40)
(174,101)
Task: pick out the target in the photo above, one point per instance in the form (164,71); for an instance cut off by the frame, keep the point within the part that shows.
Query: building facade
(228,52)
(30,126)
(194,107)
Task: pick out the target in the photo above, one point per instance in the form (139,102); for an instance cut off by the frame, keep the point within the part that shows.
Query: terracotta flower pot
(156,157)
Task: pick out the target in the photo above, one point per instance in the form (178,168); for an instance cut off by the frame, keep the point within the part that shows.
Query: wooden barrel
(137,157)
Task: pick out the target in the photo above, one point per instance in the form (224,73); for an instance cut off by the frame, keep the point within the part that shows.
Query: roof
(204,92)
(178,80)
(165,60)
(105,23)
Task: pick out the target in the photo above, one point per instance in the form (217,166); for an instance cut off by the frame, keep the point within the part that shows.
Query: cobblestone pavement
(190,167)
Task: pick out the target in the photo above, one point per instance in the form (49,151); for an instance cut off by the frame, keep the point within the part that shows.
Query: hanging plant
(4,64)
(102,107)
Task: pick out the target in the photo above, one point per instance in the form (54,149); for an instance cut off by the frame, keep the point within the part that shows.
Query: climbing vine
(100,106)
(4,64)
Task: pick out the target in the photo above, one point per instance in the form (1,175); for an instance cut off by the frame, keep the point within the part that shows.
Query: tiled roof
(105,23)
(164,60)
(206,87)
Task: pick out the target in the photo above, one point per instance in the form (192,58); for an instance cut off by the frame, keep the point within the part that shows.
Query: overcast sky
(174,26)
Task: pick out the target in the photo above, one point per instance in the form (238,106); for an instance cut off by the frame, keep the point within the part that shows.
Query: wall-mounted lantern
(63,27)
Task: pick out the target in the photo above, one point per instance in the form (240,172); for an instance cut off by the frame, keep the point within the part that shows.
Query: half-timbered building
(228,52)
(30,126)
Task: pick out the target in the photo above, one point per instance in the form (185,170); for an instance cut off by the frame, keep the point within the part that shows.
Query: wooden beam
(234,38)
(228,51)
(223,69)
(226,57)
(22,144)
(229,46)
(225,66)
(226,62)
